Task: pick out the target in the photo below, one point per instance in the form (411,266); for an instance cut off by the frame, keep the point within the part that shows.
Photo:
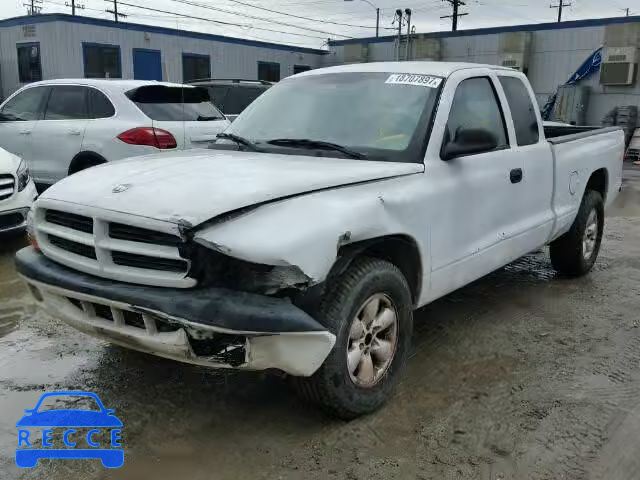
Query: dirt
(519,375)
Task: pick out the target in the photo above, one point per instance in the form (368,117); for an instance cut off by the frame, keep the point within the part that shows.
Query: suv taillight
(153,137)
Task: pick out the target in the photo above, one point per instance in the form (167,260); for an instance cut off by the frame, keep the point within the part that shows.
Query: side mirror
(468,142)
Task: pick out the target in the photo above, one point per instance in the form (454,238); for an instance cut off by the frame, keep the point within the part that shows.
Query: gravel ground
(519,375)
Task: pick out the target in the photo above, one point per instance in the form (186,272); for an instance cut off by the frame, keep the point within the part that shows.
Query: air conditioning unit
(513,60)
(619,66)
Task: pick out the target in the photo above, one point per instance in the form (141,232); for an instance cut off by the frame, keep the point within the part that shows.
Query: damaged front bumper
(206,326)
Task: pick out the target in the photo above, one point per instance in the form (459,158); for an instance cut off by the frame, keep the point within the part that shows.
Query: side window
(240,98)
(27,105)
(475,107)
(101,61)
(522,110)
(67,102)
(29,68)
(269,71)
(195,66)
(99,105)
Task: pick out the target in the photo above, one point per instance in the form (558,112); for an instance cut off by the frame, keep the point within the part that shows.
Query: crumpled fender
(307,231)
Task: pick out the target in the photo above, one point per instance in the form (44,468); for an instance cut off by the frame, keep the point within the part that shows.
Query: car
(232,96)
(304,242)
(17,193)
(67,419)
(61,127)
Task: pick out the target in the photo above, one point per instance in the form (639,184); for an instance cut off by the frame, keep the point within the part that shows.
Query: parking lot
(520,374)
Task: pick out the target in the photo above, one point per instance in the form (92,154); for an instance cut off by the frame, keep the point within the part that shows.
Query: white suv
(63,126)
(17,193)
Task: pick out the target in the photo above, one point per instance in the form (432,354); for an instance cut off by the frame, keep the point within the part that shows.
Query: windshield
(384,116)
(175,104)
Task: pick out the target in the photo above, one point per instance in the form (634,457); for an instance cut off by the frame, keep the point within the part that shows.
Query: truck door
(535,217)
(476,190)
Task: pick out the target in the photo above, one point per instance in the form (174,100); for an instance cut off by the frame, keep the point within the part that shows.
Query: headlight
(23,175)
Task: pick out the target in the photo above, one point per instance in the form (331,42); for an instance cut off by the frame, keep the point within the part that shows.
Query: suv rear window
(174,104)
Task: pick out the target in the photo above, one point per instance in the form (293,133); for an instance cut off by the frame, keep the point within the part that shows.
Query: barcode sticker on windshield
(411,79)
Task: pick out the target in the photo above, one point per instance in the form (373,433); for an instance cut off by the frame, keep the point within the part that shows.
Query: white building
(64,46)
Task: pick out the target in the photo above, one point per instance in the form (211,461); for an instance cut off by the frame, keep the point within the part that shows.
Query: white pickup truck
(339,202)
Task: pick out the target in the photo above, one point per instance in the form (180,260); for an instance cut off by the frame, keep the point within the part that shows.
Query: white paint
(17,201)
(197,185)
(50,161)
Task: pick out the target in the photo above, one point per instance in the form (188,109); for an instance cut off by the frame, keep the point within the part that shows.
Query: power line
(560,5)
(34,7)
(454,17)
(220,22)
(231,12)
(116,15)
(288,14)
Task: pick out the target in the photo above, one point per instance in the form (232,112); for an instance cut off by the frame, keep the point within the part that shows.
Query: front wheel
(369,309)
(575,252)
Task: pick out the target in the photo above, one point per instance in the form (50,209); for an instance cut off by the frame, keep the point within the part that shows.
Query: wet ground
(520,375)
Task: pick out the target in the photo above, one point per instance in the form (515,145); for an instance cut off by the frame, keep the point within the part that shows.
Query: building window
(29,68)
(269,71)
(195,67)
(300,68)
(101,61)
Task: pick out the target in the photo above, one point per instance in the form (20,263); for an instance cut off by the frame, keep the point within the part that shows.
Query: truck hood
(194,186)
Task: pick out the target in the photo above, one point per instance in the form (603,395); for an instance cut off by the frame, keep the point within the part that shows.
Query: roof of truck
(439,69)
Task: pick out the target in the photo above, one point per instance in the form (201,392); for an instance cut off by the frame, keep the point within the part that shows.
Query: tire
(348,394)
(85,161)
(570,254)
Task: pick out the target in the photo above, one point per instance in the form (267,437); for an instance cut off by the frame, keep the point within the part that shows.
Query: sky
(278,20)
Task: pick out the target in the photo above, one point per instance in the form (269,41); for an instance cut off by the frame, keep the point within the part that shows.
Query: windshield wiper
(316,144)
(204,118)
(239,140)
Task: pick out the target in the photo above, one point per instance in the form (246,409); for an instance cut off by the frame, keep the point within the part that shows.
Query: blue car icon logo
(70,426)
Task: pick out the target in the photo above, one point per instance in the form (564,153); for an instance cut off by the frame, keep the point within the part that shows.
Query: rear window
(169,104)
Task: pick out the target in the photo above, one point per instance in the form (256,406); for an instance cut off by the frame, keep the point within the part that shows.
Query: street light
(377,14)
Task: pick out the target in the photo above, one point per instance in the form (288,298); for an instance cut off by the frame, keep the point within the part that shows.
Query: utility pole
(116,14)
(34,7)
(407,13)
(454,18)
(399,16)
(73,6)
(560,5)
(378,21)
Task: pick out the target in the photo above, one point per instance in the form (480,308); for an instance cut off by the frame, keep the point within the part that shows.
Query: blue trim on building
(532,27)
(138,27)
(93,44)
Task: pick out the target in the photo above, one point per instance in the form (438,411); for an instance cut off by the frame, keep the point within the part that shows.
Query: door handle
(74,131)
(515,175)
(25,132)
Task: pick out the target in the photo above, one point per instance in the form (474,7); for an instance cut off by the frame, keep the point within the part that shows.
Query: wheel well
(599,182)
(85,160)
(401,250)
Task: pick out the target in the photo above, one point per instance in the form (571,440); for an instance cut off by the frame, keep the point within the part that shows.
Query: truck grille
(70,220)
(142,235)
(151,263)
(7,186)
(73,247)
(129,253)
